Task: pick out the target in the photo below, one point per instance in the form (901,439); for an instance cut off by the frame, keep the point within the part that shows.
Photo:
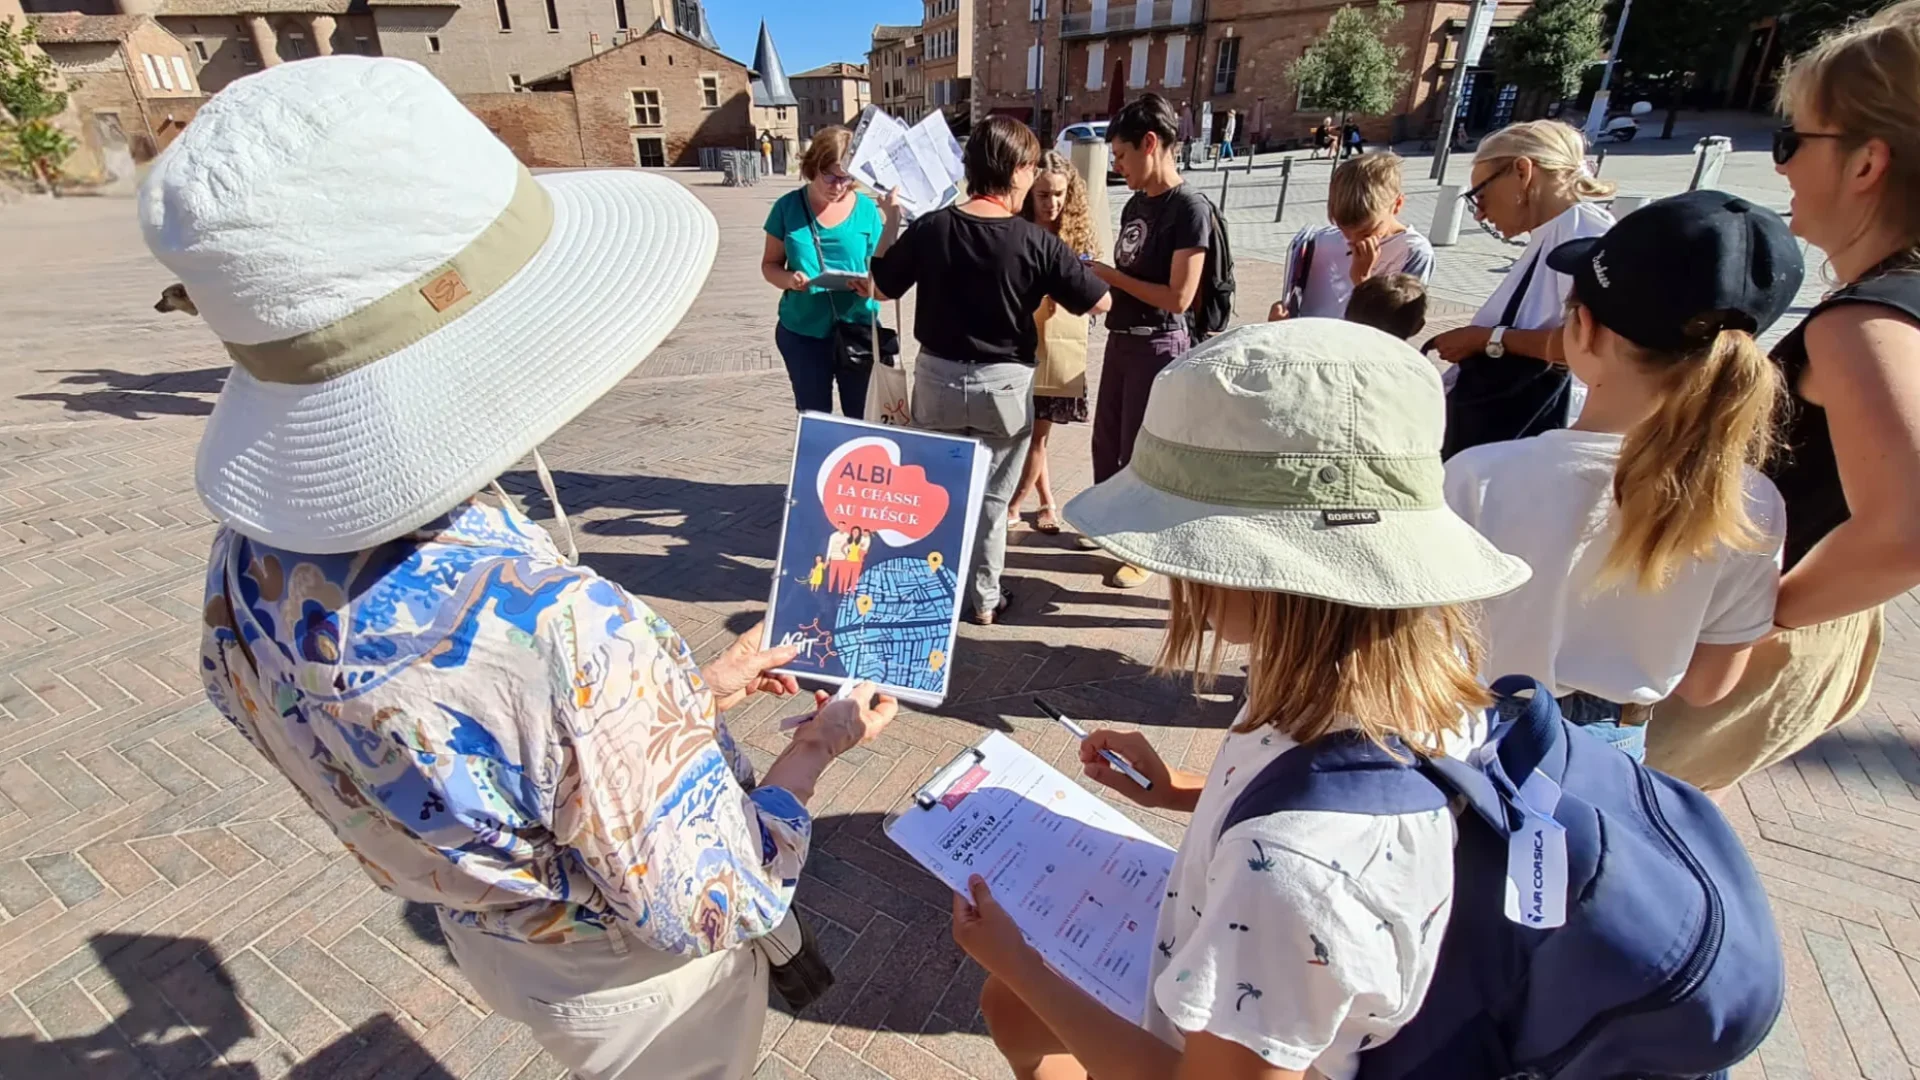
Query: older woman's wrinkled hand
(855,720)
(745,669)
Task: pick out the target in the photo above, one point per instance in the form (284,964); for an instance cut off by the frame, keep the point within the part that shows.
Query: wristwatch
(1496,348)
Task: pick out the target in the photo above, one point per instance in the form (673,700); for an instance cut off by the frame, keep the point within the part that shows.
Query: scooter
(1623,127)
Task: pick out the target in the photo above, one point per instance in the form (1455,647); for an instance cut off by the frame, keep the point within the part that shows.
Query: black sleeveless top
(1805,470)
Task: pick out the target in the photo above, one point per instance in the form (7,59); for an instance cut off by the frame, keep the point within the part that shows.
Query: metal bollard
(1446,217)
(1600,161)
(1286,178)
(1224,177)
(1250,154)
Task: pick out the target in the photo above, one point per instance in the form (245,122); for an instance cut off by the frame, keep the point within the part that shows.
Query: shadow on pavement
(720,527)
(185,1020)
(139,396)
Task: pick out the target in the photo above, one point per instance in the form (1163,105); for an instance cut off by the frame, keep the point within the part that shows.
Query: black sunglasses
(1787,142)
(1472,196)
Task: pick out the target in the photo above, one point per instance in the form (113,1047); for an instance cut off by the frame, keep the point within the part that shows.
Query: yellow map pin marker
(936,660)
(935,560)
(864,604)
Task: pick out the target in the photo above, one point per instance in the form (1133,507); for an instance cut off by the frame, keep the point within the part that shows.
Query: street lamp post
(1597,114)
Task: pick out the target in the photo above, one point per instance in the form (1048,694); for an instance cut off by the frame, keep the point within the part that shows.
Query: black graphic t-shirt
(1152,229)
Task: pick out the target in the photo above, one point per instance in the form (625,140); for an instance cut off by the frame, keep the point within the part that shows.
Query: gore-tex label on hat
(1350,517)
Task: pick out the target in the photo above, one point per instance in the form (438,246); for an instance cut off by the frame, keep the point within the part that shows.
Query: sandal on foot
(988,618)
(1128,576)
(1047,522)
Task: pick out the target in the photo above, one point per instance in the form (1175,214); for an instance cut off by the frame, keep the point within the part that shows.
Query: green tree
(31,97)
(1549,47)
(1803,22)
(1351,68)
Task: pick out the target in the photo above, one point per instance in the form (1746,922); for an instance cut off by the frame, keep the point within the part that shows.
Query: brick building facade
(653,101)
(475,47)
(1229,54)
(894,68)
(946,37)
(543,129)
(128,75)
(830,94)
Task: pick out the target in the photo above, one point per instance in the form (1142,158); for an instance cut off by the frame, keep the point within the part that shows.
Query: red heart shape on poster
(865,486)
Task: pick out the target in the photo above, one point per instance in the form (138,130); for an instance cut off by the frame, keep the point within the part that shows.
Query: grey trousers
(994,404)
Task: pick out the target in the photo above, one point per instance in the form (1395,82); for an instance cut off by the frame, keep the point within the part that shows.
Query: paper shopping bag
(887,389)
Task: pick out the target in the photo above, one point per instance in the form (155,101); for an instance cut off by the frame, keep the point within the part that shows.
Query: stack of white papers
(922,163)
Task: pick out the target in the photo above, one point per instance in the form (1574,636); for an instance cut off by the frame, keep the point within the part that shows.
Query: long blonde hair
(1865,81)
(1075,226)
(1319,666)
(1556,150)
(1681,482)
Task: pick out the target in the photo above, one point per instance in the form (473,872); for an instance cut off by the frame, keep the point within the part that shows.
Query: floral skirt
(1060,410)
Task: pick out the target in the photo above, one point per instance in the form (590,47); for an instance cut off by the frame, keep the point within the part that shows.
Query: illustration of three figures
(839,569)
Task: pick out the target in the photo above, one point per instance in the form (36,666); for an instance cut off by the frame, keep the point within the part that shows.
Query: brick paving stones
(169,908)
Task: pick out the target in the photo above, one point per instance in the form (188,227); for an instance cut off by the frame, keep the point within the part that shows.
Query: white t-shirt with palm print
(1304,936)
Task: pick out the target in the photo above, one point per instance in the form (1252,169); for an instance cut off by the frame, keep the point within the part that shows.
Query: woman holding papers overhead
(819,241)
(1287,481)
(983,272)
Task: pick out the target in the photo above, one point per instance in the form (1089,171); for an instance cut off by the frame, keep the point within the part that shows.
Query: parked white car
(1085,131)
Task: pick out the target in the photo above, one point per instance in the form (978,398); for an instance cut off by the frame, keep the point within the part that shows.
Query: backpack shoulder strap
(1344,773)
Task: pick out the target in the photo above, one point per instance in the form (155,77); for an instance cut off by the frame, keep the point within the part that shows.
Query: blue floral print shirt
(514,740)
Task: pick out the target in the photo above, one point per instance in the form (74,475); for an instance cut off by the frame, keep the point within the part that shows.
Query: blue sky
(808,33)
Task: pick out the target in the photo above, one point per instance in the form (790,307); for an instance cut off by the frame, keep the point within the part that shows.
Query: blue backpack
(1667,964)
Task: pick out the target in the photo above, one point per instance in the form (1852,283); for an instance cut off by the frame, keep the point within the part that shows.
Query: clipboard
(1082,881)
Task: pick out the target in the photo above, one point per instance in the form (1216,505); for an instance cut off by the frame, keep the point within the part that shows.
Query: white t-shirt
(1549,501)
(1545,302)
(1305,937)
(1329,283)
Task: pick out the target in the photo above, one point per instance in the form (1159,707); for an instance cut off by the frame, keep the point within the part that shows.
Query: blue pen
(1080,733)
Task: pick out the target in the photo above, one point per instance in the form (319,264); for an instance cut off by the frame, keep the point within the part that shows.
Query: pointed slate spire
(770,87)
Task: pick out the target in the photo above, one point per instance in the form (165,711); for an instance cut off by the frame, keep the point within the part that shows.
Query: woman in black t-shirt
(982,273)
(1852,439)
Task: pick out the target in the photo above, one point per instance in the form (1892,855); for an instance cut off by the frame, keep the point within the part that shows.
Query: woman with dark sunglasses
(1512,380)
(1852,439)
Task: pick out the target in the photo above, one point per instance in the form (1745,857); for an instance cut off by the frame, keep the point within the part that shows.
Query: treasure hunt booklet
(874,554)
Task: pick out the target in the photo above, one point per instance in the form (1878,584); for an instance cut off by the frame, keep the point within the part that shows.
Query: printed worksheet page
(1083,882)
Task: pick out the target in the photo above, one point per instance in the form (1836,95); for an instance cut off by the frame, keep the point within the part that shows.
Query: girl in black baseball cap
(1653,536)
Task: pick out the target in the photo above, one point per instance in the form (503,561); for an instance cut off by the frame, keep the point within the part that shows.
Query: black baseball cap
(1679,270)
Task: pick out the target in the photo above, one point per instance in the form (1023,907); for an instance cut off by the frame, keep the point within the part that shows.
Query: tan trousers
(612,1009)
(1798,685)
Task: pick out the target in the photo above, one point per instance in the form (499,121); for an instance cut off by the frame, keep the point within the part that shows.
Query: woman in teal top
(825,225)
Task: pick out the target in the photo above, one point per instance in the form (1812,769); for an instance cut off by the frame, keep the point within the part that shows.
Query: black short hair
(996,150)
(1395,303)
(1146,113)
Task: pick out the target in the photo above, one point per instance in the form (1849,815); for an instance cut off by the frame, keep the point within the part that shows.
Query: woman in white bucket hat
(1287,480)
(489,729)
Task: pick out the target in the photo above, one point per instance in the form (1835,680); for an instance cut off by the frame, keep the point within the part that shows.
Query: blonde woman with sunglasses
(1527,179)
(1851,153)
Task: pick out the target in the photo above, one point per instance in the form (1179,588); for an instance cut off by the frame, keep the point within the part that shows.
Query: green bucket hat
(1302,457)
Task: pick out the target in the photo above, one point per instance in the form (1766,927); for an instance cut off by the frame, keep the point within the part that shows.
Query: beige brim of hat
(344,464)
(1409,559)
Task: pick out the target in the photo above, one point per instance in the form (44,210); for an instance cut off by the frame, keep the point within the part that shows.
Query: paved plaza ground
(169,908)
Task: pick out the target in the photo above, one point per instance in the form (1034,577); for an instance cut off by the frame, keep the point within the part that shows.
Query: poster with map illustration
(879,530)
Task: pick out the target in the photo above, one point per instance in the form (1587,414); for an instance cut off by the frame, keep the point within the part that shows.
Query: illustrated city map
(879,530)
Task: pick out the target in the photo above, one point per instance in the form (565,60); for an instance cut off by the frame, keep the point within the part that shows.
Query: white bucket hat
(1301,457)
(409,310)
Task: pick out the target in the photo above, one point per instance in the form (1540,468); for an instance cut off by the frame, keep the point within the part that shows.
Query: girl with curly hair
(1057,203)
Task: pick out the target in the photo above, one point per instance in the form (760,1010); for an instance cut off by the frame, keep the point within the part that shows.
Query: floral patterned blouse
(514,740)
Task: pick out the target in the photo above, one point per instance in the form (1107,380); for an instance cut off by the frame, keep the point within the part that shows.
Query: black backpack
(1213,305)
